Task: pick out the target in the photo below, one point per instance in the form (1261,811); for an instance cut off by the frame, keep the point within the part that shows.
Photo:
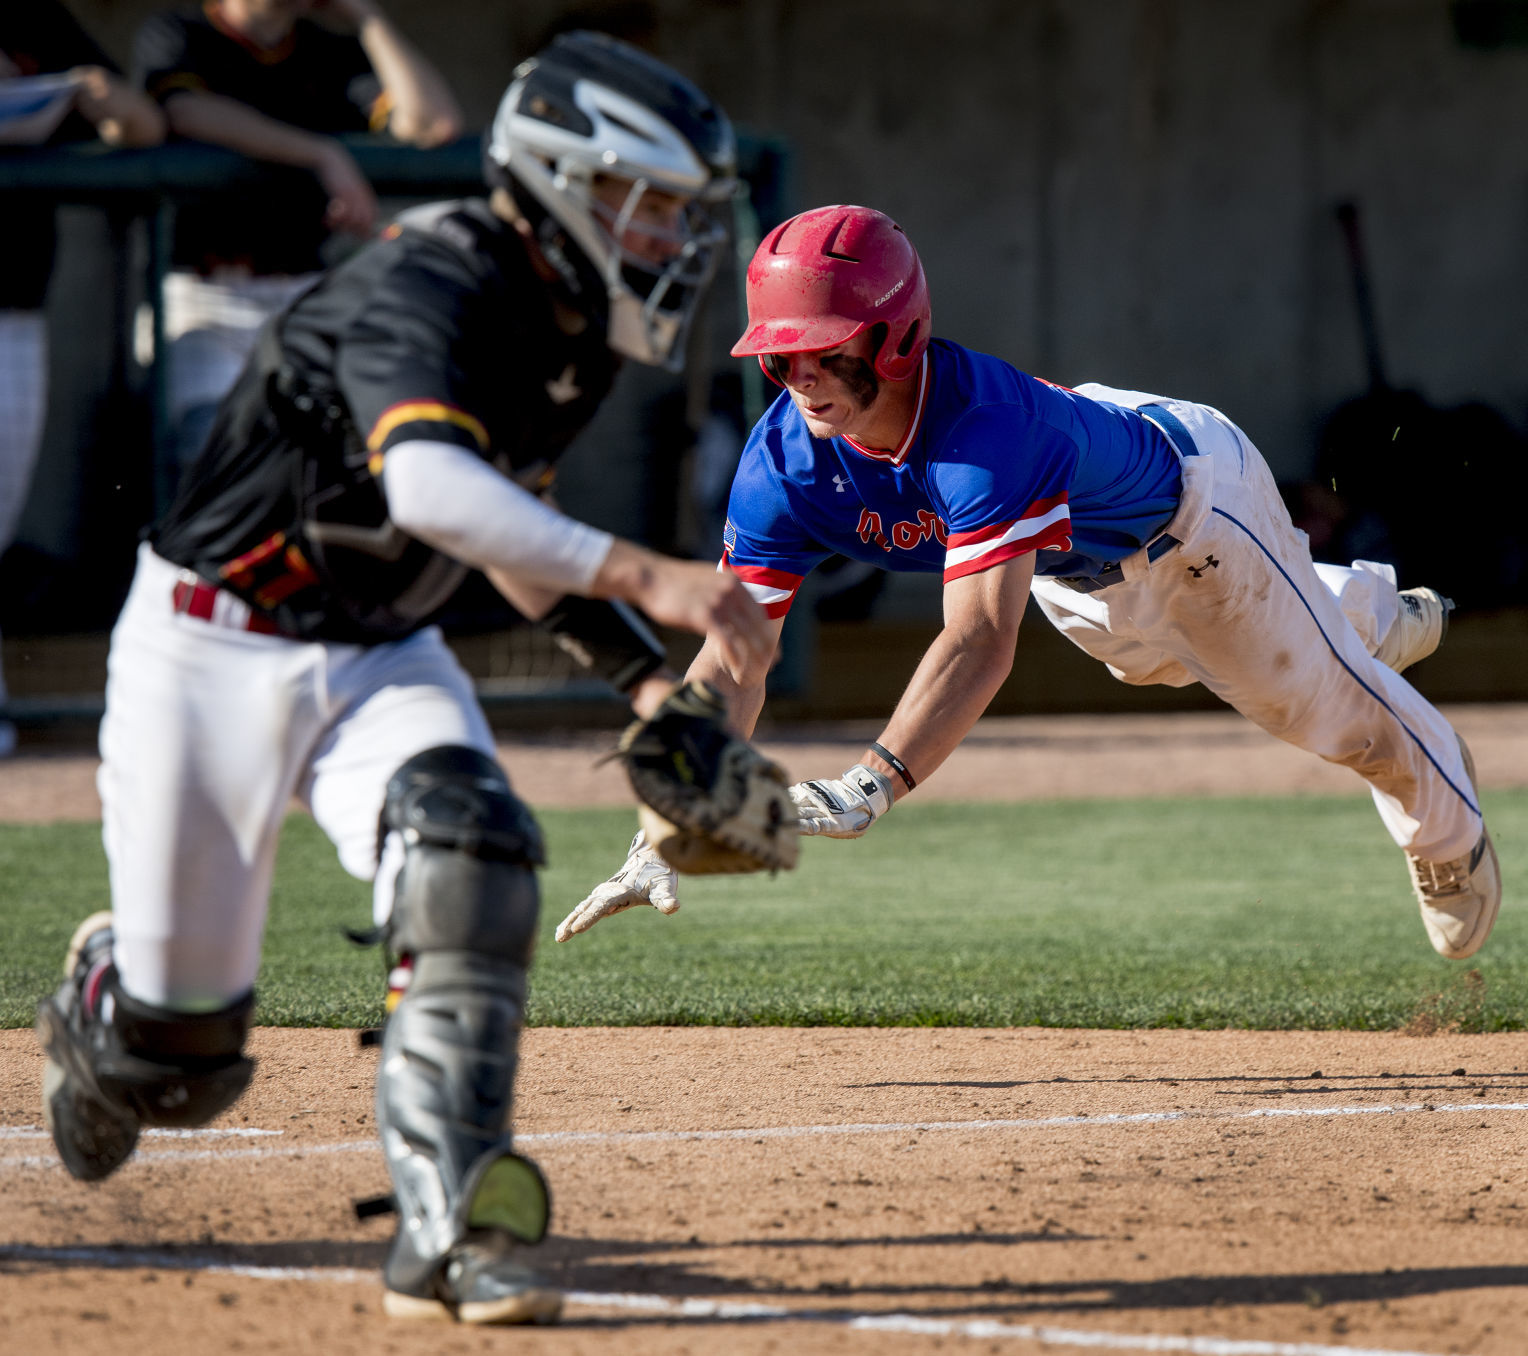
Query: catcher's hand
(842,807)
(711,802)
(644,879)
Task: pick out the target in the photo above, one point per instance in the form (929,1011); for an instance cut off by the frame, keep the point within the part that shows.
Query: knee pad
(172,1068)
(471,847)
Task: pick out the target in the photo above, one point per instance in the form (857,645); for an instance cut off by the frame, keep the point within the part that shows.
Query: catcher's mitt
(711,802)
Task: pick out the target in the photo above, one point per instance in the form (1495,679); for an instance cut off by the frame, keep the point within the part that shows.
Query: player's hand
(645,879)
(352,204)
(121,115)
(693,596)
(842,807)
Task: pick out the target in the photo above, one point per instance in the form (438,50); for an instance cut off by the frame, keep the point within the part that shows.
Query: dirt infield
(1013,758)
(1222,1193)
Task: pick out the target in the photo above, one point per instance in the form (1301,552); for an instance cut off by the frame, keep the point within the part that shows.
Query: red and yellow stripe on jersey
(402,416)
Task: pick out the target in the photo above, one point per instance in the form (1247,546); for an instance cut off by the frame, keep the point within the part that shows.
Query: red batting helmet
(825,275)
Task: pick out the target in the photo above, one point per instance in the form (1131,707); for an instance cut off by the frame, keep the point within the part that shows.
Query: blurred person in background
(261,78)
(56,86)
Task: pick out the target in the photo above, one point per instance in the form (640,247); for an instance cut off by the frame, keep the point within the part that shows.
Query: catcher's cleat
(1420,625)
(1459,899)
(93,1132)
(477,1283)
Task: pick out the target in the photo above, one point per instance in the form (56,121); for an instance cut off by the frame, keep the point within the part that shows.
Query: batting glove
(843,807)
(645,879)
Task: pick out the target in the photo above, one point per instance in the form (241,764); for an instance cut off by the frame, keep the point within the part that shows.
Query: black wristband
(882,752)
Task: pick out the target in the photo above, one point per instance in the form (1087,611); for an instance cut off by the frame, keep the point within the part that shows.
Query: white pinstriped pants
(210,732)
(1240,607)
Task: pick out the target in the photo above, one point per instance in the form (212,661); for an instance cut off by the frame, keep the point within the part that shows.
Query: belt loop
(1172,428)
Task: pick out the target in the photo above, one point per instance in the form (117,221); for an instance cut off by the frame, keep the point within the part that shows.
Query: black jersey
(39,37)
(317,79)
(440,330)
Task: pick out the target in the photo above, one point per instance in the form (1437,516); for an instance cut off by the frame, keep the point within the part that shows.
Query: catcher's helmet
(589,105)
(822,277)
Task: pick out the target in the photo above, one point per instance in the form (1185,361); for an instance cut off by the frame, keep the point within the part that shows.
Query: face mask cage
(651,291)
(656,287)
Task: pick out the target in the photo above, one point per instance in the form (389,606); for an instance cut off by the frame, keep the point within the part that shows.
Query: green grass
(1270,913)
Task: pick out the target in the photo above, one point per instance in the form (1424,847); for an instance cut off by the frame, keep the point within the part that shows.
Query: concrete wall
(1134,191)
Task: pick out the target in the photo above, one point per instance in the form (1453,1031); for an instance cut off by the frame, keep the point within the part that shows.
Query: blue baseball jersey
(996,463)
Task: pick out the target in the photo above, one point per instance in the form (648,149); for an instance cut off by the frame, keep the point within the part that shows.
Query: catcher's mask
(823,276)
(589,133)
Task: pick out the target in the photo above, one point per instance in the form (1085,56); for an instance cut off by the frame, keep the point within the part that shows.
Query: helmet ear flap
(898,363)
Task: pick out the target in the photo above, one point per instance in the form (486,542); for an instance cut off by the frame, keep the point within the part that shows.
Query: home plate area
(752,1190)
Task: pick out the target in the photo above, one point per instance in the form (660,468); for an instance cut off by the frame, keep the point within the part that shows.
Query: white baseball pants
(1240,607)
(210,732)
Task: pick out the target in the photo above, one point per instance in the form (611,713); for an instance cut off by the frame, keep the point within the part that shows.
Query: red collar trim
(267,56)
(897,457)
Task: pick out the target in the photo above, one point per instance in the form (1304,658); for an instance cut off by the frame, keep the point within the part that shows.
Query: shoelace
(1441,878)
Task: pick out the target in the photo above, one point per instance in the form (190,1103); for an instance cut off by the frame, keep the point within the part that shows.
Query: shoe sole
(530,1306)
(1477,939)
(65,1073)
(64,1067)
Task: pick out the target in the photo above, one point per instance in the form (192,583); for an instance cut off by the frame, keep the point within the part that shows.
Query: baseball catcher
(390,432)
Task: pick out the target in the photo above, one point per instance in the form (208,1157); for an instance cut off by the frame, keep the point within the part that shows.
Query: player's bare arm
(204,116)
(421,108)
(690,596)
(447,497)
(961,671)
(742,685)
(954,683)
(119,113)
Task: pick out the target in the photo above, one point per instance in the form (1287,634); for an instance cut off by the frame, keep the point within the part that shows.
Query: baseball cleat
(93,1133)
(1459,899)
(477,1283)
(1420,625)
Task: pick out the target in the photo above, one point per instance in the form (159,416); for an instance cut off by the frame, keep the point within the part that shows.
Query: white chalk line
(37,1132)
(736,1311)
(553,1138)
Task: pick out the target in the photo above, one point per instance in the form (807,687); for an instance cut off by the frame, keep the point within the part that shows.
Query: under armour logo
(842,482)
(1210,563)
(564,388)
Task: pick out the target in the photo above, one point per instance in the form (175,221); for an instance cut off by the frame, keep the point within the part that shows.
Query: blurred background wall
(1138,191)
(1135,191)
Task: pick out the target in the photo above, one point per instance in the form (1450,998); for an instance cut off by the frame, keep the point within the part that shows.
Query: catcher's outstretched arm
(447,497)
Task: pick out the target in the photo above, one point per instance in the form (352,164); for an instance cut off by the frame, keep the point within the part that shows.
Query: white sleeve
(451,500)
